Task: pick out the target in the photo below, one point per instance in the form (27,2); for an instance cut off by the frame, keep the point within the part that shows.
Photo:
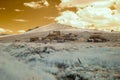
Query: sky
(92,14)
(16,16)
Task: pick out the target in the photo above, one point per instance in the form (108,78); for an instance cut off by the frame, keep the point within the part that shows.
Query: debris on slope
(55,36)
(96,38)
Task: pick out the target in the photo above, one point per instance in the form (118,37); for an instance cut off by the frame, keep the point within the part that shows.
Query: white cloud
(65,1)
(2,30)
(18,10)
(85,3)
(2,8)
(37,4)
(8,30)
(74,3)
(49,18)
(20,20)
(33,5)
(21,31)
(96,15)
(71,18)
(45,3)
(58,7)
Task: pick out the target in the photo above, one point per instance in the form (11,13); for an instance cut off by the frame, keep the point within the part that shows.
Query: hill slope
(51,27)
(45,30)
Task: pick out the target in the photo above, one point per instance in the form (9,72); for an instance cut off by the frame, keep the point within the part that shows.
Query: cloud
(2,8)
(49,18)
(2,30)
(18,10)
(37,4)
(101,14)
(71,18)
(74,3)
(20,20)
(21,31)
(58,7)
(85,3)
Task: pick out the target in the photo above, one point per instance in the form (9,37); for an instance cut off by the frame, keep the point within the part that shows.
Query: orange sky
(19,15)
(16,16)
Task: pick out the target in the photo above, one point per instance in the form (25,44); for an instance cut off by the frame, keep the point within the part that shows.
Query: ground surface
(60,61)
(21,59)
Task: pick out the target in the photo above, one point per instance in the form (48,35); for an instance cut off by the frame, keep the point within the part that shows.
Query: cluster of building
(56,36)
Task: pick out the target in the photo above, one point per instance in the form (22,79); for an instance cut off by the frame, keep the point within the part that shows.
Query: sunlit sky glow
(16,16)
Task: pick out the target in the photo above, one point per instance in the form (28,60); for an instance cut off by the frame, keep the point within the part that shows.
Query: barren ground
(60,61)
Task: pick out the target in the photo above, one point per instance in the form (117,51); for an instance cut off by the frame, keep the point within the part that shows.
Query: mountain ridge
(52,26)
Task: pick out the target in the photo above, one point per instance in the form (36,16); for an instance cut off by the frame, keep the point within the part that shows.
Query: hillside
(44,31)
(50,27)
